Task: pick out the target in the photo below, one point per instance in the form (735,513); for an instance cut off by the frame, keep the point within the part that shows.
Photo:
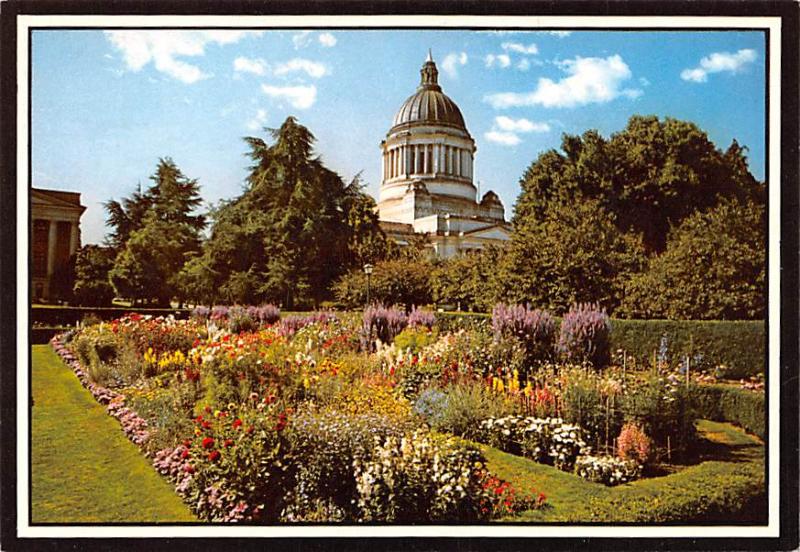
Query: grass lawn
(727,484)
(83,469)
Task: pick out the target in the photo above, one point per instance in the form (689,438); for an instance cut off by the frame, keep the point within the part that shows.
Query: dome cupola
(429,105)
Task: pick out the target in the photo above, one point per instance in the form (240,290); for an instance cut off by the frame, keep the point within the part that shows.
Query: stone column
(51,249)
(74,237)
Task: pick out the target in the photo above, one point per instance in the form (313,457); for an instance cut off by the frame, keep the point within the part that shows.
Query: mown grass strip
(83,469)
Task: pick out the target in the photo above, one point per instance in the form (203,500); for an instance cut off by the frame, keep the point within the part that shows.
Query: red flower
(228,442)
(208,409)
(213,455)
(208,442)
(188,468)
(199,418)
(185,454)
(236,423)
(187,443)
(206,425)
(250,429)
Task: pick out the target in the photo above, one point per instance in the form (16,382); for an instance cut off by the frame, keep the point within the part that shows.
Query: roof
(73,198)
(429,104)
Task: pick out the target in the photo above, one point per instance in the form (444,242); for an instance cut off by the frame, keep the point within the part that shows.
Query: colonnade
(429,159)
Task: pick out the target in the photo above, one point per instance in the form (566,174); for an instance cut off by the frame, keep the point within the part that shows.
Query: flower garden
(393,417)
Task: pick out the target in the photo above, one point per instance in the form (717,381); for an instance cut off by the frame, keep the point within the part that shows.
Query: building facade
(427,176)
(55,237)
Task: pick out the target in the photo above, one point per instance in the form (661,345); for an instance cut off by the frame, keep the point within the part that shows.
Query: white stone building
(55,236)
(427,183)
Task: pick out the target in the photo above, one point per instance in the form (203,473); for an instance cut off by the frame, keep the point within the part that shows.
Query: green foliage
(725,403)
(293,231)
(450,322)
(574,254)
(155,235)
(738,346)
(92,265)
(415,339)
(469,281)
(663,408)
(402,281)
(465,405)
(324,446)
(713,268)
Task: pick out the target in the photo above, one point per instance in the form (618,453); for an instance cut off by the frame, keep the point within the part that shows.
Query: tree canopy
(296,227)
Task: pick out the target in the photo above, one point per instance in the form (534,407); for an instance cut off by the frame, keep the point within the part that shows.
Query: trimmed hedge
(712,492)
(725,403)
(739,345)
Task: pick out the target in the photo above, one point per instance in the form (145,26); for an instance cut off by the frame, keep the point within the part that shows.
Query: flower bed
(280,422)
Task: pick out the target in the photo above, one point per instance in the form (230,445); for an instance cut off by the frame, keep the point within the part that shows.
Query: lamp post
(368,271)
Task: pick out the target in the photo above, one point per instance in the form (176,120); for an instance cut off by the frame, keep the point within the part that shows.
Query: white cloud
(247,65)
(327,40)
(452,61)
(505,138)
(162,48)
(508,124)
(506,130)
(524,64)
(257,122)
(590,80)
(501,60)
(301,39)
(311,68)
(719,62)
(300,97)
(530,49)
(643,81)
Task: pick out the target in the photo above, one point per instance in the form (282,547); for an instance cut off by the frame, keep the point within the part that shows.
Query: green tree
(148,264)
(650,176)
(92,265)
(714,268)
(293,231)
(575,254)
(400,281)
(469,281)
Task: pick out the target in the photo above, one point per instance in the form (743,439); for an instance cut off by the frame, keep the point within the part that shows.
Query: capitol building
(427,178)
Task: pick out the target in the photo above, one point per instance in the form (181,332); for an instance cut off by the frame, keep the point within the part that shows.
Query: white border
(455,22)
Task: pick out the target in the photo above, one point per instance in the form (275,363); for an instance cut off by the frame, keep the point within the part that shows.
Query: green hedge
(739,345)
(725,403)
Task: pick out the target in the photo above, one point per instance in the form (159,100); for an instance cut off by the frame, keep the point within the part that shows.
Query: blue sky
(107,105)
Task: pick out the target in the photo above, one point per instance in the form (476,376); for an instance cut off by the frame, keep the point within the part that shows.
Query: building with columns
(427,179)
(55,236)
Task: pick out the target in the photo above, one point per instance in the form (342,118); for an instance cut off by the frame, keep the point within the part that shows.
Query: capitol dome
(427,176)
(429,105)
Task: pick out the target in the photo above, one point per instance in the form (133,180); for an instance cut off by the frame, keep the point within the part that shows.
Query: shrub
(383,323)
(323,449)
(414,339)
(430,405)
(467,404)
(268,314)
(725,403)
(736,348)
(535,329)
(219,313)
(425,477)
(662,407)
(584,335)
(634,444)
(455,321)
(545,440)
(421,318)
(240,319)
(607,469)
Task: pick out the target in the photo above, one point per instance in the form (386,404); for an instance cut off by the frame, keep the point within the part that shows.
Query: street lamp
(368,271)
